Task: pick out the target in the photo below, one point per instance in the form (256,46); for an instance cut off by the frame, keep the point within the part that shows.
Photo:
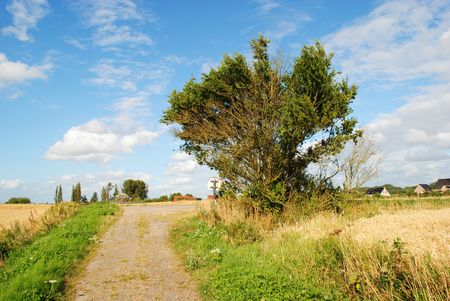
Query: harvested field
(9,213)
(422,231)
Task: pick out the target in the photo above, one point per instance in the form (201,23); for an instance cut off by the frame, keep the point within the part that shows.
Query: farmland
(36,271)
(378,250)
(10,213)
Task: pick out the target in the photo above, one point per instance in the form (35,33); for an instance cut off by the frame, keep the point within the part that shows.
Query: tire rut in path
(135,261)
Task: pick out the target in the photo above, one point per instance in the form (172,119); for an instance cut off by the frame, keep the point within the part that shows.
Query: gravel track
(135,262)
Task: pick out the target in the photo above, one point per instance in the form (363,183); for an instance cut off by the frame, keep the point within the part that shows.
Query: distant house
(379,190)
(443,185)
(422,188)
(187,197)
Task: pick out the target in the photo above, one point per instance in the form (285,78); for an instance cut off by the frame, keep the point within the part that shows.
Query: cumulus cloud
(182,163)
(26,14)
(184,175)
(113,20)
(10,184)
(397,41)
(15,72)
(405,42)
(416,137)
(100,140)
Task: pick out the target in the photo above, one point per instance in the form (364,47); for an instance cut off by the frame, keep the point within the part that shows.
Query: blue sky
(83,83)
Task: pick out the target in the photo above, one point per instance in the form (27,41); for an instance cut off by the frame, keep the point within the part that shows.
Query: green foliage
(256,124)
(135,188)
(18,200)
(58,194)
(291,267)
(105,195)
(249,272)
(163,198)
(37,271)
(76,194)
(116,191)
(22,234)
(94,198)
(171,196)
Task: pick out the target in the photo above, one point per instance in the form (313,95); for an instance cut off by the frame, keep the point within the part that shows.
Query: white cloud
(416,138)
(207,66)
(109,75)
(95,141)
(404,42)
(76,43)
(182,163)
(184,175)
(265,6)
(16,72)
(131,76)
(282,29)
(26,14)
(10,184)
(112,22)
(100,140)
(397,41)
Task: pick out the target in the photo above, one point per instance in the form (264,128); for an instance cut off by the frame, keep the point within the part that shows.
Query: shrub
(122,198)
(19,200)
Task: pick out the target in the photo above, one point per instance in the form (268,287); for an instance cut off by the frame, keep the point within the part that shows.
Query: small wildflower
(215,251)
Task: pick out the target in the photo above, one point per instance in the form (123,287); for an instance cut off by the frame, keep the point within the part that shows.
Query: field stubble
(11,213)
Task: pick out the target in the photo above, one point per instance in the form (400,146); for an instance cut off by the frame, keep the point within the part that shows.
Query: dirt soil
(135,262)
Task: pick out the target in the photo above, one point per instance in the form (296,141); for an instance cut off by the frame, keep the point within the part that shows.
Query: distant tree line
(135,190)
(19,200)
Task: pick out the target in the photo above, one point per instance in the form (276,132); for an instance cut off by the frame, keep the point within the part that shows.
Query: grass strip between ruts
(37,271)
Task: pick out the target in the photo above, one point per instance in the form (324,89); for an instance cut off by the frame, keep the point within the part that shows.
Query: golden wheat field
(9,213)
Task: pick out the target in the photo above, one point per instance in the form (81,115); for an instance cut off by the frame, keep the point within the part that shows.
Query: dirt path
(135,261)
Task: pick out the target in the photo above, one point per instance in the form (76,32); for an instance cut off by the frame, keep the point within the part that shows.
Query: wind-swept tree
(260,125)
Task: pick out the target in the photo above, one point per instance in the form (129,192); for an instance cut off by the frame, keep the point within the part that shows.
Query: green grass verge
(292,267)
(37,271)
(249,272)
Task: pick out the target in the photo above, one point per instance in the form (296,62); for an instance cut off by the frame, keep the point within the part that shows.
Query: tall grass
(37,271)
(240,253)
(21,233)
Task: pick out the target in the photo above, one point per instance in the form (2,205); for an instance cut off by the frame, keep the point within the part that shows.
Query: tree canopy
(261,124)
(135,188)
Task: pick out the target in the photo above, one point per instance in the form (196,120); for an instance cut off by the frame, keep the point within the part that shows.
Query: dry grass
(23,231)
(321,225)
(178,203)
(375,250)
(422,231)
(11,213)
